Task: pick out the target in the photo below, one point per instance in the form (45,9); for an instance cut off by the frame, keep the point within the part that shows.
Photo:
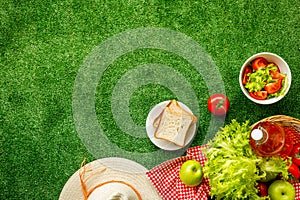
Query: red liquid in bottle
(267,139)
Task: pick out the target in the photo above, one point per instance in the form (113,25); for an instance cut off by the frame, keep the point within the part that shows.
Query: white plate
(163,144)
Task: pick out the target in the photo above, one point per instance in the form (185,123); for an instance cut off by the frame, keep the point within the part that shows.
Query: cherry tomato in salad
(218,104)
(245,77)
(277,75)
(259,63)
(272,88)
(262,189)
(259,95)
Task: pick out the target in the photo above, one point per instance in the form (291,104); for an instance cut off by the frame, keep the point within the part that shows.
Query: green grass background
(43,44)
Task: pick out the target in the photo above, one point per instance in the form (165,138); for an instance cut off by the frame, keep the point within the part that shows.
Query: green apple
(191,173)
(281,190)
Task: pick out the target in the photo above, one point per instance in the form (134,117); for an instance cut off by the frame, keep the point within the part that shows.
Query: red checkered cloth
(297,188)
(295,136)
(165,178)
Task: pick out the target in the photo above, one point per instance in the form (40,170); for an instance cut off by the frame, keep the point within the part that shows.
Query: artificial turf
(43,44)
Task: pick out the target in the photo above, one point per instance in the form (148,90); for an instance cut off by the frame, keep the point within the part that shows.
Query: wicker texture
(291,128)
(290,125)
(283,120)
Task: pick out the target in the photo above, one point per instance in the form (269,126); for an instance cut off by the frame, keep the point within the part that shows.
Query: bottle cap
(257,134)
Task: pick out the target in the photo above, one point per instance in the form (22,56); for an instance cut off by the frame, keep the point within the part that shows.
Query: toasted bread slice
(173,126)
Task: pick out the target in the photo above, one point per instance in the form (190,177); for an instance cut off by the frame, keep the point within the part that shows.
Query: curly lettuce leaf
(232,167)
(274,165)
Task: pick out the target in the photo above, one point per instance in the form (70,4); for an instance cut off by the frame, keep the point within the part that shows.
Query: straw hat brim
(110,169)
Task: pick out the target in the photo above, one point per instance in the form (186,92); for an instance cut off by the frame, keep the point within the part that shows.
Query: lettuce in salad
(258,79)
(232,167)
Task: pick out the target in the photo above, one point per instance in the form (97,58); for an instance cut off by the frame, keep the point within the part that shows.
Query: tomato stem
(220,103)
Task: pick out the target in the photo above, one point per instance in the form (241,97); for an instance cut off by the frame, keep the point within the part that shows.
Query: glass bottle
(267,138)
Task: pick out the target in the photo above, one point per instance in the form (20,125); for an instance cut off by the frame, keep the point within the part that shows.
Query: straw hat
(114,191)
(109,179)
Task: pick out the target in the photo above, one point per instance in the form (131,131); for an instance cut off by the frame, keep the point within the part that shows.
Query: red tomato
(272,88)
(262,189)
(218,104)
(277,75)
(296,150)
(260,95)
(294,170)
(296,161)
(259,63)
(245,78)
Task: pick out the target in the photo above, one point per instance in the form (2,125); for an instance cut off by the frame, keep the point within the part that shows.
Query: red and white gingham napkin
(165,178)
(295,137)
(297,188)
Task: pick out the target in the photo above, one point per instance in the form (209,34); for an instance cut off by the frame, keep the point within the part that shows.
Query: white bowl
(283,67)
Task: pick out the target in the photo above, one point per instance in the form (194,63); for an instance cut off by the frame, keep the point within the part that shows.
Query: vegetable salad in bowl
(265,78)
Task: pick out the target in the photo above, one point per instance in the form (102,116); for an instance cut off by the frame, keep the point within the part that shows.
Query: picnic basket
(290,124)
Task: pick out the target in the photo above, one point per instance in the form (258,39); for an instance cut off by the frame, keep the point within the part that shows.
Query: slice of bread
(174,105)
(173,124)
(157,120)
